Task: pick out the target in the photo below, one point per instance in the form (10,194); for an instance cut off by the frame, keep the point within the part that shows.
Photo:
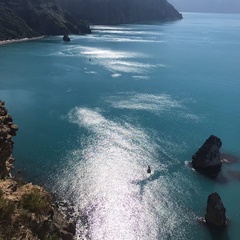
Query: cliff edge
(26,210)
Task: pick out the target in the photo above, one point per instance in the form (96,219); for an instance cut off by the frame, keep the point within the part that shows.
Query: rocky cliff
(31,18)
(121,11)
(12,26)
(207,159)
(215,211)
(26,211)
(7,130)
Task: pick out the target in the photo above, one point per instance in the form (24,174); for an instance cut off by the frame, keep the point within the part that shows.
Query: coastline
(3,42)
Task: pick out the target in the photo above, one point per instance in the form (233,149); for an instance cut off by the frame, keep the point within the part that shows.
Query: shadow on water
(219,234)
(216,233)
(229,158)
(144,182)
(225,175)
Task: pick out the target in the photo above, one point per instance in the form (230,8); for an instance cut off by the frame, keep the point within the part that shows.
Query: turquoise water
(93,113)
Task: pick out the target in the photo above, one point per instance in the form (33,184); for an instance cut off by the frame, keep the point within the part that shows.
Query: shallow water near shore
(95,112)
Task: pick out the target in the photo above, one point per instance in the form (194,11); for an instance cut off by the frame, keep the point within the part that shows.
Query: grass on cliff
(6,212)
(6,209)
(36,202)
(26,215)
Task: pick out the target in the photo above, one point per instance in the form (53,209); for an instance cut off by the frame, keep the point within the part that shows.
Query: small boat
(66,38)
(149,169)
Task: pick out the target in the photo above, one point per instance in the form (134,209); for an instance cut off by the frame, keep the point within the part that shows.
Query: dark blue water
(93,113)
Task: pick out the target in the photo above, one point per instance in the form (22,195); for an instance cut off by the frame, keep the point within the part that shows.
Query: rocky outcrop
(7,131)
(27,212)
(207,159)
(215,211)
(66,38)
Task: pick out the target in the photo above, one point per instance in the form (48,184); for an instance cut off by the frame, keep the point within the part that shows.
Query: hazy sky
(225,6)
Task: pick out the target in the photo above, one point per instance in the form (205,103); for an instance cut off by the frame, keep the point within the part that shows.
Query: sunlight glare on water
(110,185)
(96,111)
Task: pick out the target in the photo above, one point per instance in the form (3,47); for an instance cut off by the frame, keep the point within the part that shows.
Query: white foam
(111,38)
(116,75)
(141,77)
(90,72)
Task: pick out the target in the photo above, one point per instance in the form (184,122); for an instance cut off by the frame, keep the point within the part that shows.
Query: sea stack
(66,38)
(207,159)
(215,211)
(7,130)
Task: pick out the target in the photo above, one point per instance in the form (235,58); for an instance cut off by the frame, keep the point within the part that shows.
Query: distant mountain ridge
(31,18)
(121,11)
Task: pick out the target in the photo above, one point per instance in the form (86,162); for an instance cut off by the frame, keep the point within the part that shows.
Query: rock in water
(207,159)
(66,38)
(215,212)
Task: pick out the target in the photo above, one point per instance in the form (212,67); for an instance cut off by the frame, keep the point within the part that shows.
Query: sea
(94,112)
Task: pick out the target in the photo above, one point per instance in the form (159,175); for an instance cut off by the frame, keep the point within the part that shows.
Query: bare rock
(7,131)
(215,211)
(207,159)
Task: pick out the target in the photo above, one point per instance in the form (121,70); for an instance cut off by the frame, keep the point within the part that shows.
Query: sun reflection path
(110,185)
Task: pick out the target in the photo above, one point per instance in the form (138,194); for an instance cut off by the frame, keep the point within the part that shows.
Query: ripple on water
(108,181)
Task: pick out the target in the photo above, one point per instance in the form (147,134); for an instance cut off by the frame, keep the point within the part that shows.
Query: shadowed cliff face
(121,11)
(12,26)
(29,18)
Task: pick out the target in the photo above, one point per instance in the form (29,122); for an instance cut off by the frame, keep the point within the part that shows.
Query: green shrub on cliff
(6,208)
(52,236)
(35,202)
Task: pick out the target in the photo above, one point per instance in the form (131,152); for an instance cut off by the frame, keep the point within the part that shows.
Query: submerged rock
(215,211)
(207,159)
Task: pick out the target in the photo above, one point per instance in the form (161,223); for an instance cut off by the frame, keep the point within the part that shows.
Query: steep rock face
(121,11)
(26,211)
(7,130)
(37,17)
(12,26)
(31,18)
(215,211)
(207,159)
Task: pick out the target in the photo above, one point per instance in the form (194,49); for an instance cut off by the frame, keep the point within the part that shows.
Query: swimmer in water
(149,169)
